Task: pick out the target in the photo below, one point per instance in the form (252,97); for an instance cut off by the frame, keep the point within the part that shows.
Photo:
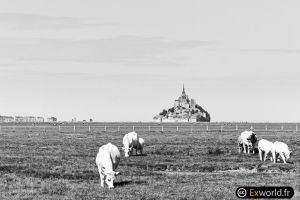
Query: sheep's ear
(291,153)
(117,173)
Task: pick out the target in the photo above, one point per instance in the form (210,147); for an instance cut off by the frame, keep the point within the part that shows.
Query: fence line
(155,128)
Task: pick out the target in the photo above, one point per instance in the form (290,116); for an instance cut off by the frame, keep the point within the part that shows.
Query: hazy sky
(127,60)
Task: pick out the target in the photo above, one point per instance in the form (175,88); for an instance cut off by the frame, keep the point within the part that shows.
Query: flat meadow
(177,164)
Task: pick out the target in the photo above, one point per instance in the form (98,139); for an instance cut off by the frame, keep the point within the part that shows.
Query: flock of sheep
(247,141)
(108,156)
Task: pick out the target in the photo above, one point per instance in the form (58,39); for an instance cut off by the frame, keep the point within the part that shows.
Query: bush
(164,112)
(215,151)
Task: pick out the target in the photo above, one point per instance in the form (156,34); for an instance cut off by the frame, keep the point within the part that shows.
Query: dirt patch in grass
(215,151)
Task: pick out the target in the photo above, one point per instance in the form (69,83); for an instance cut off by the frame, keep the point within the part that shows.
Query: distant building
(6,119)
(40,119)
(193,118)
(193,104)
(184,110)
(176,103)
(183,100)
(28,119)
(52,119)
(20,119)
(74,119)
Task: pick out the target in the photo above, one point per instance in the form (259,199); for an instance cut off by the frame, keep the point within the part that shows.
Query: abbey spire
(183,91)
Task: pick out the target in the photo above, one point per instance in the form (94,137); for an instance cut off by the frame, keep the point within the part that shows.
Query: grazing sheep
(246,141)
(280,148)
(140,146)
(130,141)
(107,160)
(264,147)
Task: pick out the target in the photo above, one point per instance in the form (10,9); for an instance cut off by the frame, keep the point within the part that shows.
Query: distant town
(33,119)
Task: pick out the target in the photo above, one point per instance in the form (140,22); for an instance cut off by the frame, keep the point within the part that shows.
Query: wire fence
(152,128)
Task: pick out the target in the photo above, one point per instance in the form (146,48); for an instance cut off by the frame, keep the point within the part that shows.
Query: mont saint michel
(184,110)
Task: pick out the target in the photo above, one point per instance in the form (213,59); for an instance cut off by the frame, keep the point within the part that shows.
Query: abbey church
(184,110)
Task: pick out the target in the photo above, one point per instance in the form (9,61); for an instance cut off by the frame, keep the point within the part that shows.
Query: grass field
(176,165)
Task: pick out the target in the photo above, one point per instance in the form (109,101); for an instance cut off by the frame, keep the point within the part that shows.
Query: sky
(128,60)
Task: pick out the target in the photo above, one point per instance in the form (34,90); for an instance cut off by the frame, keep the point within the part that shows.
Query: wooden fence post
(206,127)
(59,129)
(118,128)
(132,128)
(149,128)
(282,127)
(45,129)
(236,127)
(74,129)
(296,128)
(162,128)
(221,128)
(266,127)
(177,129)
(89,129)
